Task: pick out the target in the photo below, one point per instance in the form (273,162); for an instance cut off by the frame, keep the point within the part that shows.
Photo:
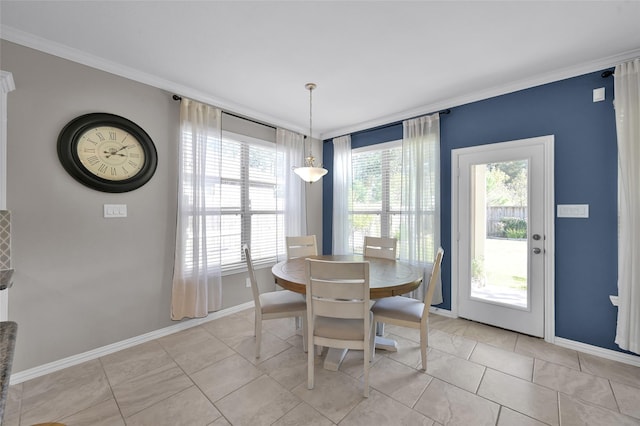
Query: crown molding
(63,51)
(503,89)
(47,46)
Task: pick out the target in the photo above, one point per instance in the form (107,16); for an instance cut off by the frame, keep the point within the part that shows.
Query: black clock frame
(68,153)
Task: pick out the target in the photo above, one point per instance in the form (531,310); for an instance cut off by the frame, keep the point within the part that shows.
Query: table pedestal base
(335,356)
(385,344)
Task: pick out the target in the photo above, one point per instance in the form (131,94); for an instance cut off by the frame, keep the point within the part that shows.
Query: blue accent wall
(585,173)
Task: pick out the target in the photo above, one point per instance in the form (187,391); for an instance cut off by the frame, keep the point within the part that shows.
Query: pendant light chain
(309,159)
(310,120)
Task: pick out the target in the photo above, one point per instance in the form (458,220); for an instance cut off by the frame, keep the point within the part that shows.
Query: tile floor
(207,375)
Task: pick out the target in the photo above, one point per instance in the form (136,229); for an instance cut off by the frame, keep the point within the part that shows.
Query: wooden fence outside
(496,213)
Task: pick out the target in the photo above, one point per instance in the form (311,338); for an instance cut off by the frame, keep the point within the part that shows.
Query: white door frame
(549,225)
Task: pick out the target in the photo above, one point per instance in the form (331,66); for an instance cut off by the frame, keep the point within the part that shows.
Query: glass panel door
(500,216)
(499,258)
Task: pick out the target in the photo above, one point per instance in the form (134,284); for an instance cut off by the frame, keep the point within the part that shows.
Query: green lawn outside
(504,272)
(506,262)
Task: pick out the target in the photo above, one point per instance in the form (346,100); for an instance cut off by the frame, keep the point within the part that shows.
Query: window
(376,192)
(251,204)
(248,198)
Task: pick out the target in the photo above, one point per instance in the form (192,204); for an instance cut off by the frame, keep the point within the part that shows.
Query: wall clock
(107,152)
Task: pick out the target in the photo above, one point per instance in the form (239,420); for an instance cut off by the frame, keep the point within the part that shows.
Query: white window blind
(251,204)
(246,204)
(376,192)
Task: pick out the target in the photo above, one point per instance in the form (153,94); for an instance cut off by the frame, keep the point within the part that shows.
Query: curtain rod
(607,73)
(395,123)
(179,98)
(384,126)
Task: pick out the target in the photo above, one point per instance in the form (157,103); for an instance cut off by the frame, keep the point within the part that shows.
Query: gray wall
(82,281)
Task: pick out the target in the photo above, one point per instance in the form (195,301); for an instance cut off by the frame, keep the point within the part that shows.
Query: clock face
(110,153)
(107,152)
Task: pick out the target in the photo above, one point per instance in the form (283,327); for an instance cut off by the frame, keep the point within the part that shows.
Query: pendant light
(310,173)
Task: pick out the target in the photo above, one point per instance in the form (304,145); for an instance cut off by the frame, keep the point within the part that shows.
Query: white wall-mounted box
(598,94)
(115,210)
(573,210)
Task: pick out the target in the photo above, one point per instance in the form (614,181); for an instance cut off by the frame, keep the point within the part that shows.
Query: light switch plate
(115,210)
(573,210)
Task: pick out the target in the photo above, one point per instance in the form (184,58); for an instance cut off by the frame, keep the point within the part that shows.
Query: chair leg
(258,332)
(310,364)
(424,341)
(367,360)
(256,319)
(372,343)
(311,353)
(304,333)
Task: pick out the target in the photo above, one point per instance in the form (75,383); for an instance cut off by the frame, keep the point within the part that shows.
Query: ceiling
(374,62)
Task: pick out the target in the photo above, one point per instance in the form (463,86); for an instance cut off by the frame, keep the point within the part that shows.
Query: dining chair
(380,247)
(338,314)
(301,246)
(408,312)
(274,304)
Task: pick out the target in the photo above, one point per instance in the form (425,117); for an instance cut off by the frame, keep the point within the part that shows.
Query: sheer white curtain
(341,195)
(627,106)
(290,148)
(420,219)
(197,288)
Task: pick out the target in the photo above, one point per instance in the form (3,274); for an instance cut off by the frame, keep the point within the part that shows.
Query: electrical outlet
(248,282)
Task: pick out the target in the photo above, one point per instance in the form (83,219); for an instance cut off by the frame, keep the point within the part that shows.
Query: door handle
(536,250)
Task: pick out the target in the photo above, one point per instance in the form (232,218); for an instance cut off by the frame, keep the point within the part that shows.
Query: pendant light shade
(309,172)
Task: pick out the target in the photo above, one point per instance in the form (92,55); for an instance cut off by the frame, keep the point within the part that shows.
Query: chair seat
(282,301)
(339,328)
(400,308)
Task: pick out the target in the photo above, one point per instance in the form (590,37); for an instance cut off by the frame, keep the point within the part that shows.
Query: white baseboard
(51,367)
(598,351)
(570,344)
(443,312)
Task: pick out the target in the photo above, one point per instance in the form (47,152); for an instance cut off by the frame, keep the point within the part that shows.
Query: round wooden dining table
(386,277)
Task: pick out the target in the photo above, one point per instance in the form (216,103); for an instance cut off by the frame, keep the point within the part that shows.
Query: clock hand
(115,152)
(110,153)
